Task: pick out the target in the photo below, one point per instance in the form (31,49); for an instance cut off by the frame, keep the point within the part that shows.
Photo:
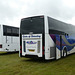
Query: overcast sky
(11,11)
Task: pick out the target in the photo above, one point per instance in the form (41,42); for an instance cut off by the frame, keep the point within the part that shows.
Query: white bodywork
(12,43)
(51,52)
(32,44)
(49,44)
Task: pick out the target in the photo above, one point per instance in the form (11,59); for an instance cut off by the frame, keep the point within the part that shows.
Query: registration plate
(31,50)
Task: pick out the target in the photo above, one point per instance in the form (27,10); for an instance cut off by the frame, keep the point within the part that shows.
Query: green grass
(12,64)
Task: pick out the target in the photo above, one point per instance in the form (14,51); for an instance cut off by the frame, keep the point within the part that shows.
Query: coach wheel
(65,52)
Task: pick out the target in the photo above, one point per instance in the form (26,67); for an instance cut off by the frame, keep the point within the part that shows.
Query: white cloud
(69,3)
(72,21)
(11,11)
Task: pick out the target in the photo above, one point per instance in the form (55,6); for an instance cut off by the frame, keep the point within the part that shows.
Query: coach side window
(4,30)
(9,31)
(15,31)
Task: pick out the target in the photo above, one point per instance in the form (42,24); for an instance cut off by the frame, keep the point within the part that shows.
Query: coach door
(58,46)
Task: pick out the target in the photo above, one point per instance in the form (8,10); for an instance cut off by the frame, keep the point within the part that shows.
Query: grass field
(11,64)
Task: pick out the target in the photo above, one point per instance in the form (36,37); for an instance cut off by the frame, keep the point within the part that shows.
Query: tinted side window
(10,31)
(57,26)
(4,30)
(56,32)
(7,30)
(15,31)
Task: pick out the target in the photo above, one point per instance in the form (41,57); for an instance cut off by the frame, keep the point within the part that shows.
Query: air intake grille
(52,52)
